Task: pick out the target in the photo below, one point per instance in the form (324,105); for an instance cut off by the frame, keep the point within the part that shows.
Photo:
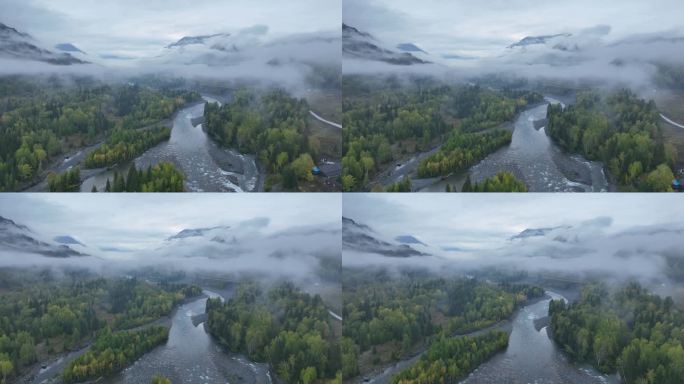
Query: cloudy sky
(611,236)
(485,28)
(142,28)
(143,221)
(487,221)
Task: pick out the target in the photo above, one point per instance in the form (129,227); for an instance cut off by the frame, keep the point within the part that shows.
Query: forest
(385,122)
(450,359)
(460,151)
(49,120)
(112,352)
(404,185)
(67,181)
(285,327)
(273,126)
(126,144)
(387,318)
(501,182)
(670,76)
(630,331)
(160,380)
(43,320)
(161,177)
(620,130)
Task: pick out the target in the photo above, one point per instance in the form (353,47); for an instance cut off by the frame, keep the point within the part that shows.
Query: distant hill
(409,47)
(67,47)
(361,238)
(533,40)
(19,45)
(18,238)
(361,45)
(190,40)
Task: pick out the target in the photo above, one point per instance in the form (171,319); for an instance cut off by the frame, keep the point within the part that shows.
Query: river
(531,356)
(189,356)
(534,159)
(207,167)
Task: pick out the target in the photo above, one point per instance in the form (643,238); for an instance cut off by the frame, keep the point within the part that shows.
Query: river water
(535,160)
(207,167)
(532,357)
(191,356)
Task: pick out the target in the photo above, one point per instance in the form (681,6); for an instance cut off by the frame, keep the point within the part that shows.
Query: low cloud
(615,237)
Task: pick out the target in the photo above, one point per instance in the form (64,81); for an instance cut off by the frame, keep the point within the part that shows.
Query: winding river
(189,356)
(534,159)
(207,167)
(531,356)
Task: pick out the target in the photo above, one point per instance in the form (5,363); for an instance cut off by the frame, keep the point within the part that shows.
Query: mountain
(408,239)
(67,47)
(590,52)
(248,244)
(66,239)
(361,238)
(111,56)
(409,47)
(196,232)
(534,40)
(535,232)
(18,45)
(250,51)
(449,56)
(361,45)
(190,40)
(17,238)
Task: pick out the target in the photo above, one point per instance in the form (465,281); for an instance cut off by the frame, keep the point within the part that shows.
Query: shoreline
(65,358)
(582,175)
(82,152)
(411,358)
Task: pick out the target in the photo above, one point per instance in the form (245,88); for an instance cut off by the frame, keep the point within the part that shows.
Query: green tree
(6,368)
(302,167)
(348,183)
(660,179)
(158,379)
(308,375)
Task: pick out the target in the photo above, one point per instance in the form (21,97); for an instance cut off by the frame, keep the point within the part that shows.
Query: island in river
(189,356)
(531,355)
(207,167)
(532,157)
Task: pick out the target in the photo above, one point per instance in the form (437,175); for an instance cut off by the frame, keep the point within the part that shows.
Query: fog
(611,44)
(279,235)
(611,236)
(141,29)
(264,43)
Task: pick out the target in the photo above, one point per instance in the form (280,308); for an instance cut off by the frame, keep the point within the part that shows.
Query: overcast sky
(140,221)
(143,27)
(485,28)
(487,221)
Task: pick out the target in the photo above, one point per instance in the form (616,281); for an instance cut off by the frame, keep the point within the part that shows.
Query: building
(678,185)
(330,169)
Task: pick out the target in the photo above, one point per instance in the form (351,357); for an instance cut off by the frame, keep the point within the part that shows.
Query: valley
(427,301)
(92,118)
(420,119)
(236,301)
